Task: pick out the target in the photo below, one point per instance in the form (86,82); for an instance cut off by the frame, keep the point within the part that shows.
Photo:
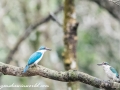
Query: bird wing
(114,71)
(35,56)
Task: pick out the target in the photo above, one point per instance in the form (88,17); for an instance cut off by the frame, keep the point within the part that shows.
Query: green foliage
(34,40)
(59,52)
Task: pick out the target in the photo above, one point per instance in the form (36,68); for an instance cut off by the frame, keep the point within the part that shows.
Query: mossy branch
(67,76)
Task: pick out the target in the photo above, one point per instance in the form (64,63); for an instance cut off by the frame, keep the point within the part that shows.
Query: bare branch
(67,76)
(112,8)
(55,19)
(27,33)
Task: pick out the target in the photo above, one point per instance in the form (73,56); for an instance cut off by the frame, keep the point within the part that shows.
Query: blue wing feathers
(114,71)
(35,56)
(26,68)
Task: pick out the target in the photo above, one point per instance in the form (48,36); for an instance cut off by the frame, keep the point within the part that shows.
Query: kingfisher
(36,57)
(110,71)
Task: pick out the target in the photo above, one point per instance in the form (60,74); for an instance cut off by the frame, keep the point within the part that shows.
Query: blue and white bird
(110,71)
(36,57)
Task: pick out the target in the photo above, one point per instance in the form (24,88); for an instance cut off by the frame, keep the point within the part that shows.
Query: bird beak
(100,64)
(48,49)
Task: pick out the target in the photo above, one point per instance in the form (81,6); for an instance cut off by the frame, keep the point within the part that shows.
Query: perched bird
(110,71)
(36,57)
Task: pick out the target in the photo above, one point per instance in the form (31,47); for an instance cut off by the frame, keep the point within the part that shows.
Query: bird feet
(108,80)
(34,65)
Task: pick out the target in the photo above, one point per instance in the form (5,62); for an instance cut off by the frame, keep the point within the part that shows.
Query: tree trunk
(70,39)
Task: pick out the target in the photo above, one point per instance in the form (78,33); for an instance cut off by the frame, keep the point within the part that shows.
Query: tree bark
(70,34)
(70,39)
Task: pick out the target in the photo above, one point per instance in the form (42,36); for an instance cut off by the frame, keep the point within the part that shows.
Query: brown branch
(27,32)
(110,6)
(67,76)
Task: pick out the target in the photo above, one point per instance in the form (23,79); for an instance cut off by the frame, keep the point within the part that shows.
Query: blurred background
(98,39)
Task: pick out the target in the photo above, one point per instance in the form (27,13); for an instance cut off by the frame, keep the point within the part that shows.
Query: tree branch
(112,8)
(68,76)
(55,19)
(27,33)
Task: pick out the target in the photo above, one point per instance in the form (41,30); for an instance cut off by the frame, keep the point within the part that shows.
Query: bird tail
(26,68)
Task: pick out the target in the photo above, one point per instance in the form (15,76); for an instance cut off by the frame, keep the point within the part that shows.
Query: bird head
(103,64)
(44,48)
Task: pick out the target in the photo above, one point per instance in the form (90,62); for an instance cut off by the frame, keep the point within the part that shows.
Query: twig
(55,19)
(117,2)
(27,33)
(67,76)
